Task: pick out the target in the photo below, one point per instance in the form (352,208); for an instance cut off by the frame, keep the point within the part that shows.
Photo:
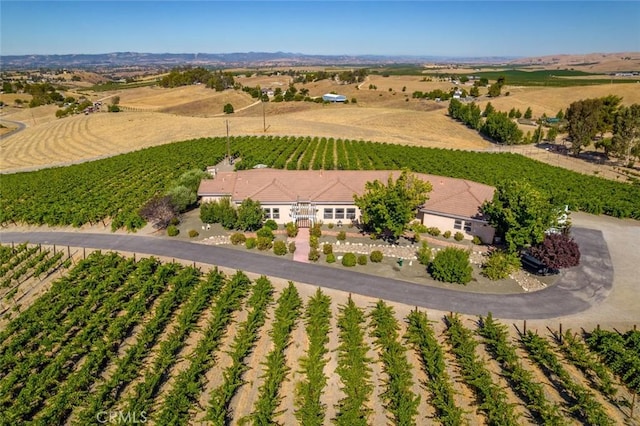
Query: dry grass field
(155,116)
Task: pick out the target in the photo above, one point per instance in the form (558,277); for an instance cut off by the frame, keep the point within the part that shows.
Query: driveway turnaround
(576,290)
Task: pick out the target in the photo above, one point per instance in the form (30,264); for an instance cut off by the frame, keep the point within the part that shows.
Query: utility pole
(228,148)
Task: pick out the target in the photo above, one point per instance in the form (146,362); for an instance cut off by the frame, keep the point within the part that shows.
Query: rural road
(20,127)
(576,290)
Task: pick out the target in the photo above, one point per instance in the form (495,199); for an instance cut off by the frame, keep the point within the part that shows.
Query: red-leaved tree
(557,251)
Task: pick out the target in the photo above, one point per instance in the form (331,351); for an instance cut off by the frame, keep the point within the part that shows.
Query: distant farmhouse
(309,196)
(332,97)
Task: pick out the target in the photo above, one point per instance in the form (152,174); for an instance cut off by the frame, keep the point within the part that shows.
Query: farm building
(309,196)
(332,97)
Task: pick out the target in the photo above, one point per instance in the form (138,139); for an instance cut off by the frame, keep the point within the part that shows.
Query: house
(309,196)
(332,97)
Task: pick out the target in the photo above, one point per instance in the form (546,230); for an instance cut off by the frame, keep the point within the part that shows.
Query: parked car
(536,266)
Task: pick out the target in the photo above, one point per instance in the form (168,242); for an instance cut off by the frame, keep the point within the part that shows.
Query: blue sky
(455,28)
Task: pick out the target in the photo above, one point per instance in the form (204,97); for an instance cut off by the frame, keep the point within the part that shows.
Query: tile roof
(457,197)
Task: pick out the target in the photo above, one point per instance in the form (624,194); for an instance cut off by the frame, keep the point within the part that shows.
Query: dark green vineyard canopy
(116,187)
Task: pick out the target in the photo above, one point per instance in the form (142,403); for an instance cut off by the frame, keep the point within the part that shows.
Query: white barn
(332,97)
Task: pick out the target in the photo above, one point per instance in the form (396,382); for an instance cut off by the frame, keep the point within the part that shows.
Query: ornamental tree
(520,213)
(387,209)
(557,251)
(250,215)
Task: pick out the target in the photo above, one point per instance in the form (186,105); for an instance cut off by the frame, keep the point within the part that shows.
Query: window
(328,213)
(467,226)
(275,214)
(339,214)
(457,224)
(267,213)
(351,213)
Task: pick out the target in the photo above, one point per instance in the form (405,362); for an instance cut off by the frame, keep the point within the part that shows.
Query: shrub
(424,254)
(349,259)
(174,221)
(264,243)
(341,236)
(313,242)
(265,232)
(271,224)
(458,236)
(238,238)
(476,240)
(376,256)
(557,251)
(193,233)
(315,230)
(292,247)
(447,234)
(292,229)
(280,248)
(327,248)
(362,259)
(451,265)
(250,243)
(172,230)
(314,255)
(500,264)
(330,226)
(433,231)
(418,227)
(331,258)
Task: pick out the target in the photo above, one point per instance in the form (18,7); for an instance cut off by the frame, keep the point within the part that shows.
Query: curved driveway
(575,291)
(20,127)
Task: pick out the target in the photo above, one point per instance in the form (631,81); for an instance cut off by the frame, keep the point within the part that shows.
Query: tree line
(216,80)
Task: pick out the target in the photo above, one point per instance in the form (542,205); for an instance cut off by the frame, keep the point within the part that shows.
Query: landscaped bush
(557,251)
(172,230)
(330,226)
(280,247)
(238,238)
(264,243)
(447,234)
(433,231)
(292,247)
(331,258)
(458,236)
(362,259)
(376,256)
(349,259)
(418,228)
(500,264)
(313,242)
(265,232)
(292,229)
(327,248)
(341,236)
(424,254)
(314,255)
(476,240)
(271,224)
(451,265)
(250,243)
(316,230)
(193,233)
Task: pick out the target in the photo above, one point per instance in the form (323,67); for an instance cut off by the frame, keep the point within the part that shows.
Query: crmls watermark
(121,417)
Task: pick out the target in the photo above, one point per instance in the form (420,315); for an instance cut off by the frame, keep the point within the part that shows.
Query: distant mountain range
(124,59)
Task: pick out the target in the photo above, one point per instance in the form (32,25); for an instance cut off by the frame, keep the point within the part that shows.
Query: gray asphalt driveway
(575,291)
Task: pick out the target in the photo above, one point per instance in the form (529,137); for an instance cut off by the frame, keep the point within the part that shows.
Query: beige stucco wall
(484,231)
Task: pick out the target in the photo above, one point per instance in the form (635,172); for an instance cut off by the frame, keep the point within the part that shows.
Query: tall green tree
(520,213)
(250,215)
(528,113)
(583,122)
(626,132)
(387,209)
(501,129)
(608,113)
